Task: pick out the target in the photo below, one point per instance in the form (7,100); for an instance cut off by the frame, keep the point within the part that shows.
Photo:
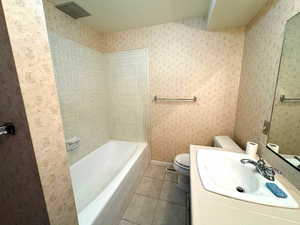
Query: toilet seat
(181,166)
(183,161)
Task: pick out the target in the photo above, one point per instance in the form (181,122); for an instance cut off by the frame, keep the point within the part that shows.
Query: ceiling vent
(73,9)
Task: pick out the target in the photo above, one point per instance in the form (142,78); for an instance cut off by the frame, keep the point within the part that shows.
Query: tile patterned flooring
(157,200)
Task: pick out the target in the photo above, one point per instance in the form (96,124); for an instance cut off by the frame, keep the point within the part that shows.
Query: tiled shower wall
(83,75)
(102,96)
(81,80)
(128,85)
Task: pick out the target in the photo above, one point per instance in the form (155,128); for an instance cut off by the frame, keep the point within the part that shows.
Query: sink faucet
(261,167)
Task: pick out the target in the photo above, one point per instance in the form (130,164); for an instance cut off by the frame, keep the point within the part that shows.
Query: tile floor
(157,200)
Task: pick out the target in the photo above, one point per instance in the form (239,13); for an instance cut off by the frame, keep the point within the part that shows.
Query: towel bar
(156,99)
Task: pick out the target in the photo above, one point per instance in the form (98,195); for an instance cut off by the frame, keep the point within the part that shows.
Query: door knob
(7,128)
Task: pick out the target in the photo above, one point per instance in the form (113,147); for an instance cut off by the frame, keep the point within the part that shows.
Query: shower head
(73,9)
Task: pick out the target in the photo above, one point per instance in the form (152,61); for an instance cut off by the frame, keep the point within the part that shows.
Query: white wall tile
(82,87)
(128,78)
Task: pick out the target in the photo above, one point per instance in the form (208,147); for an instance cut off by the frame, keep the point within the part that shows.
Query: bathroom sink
(222,172)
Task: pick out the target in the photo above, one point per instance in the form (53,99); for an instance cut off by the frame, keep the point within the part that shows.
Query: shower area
(104,105)
(102,95)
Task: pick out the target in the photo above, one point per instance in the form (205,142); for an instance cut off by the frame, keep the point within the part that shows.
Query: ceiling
(118,15)
(233,13)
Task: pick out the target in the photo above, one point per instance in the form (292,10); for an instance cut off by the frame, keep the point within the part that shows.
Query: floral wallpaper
(186,61)
(285,123)
(28,37)
(263,46)
(21,189)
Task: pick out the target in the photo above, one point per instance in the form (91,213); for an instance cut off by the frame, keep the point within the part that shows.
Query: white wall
(82,87)
(128,85)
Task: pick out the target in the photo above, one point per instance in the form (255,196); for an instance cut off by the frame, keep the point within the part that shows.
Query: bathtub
(104,181)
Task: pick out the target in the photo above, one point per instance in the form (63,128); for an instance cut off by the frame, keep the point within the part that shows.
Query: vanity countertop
(213,209)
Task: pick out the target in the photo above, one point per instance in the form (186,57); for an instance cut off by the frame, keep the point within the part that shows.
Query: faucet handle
(261,161)
(270,171)
(244,161)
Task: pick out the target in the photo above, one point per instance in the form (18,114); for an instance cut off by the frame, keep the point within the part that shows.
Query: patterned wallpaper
(21,195)
(263,45)
(285,124)
(28,37)
(185,61)
(81,79)
(262,52)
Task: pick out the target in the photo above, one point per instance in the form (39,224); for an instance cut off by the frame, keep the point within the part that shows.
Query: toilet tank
(226,143)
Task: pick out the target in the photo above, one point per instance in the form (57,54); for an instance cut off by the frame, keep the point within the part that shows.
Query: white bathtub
(104,181)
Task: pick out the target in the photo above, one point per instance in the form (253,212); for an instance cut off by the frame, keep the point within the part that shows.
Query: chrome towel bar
(285,99)
(157,99)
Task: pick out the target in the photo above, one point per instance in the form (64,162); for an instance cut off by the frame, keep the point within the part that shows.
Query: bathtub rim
(90,213)
(85,157)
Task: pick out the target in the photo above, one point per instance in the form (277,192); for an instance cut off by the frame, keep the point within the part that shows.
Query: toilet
(226,143)
(182,166)
(182,161)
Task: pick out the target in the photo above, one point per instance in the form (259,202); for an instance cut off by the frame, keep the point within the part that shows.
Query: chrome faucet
(261,167)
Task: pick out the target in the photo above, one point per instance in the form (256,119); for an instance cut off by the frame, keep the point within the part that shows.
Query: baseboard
(160,163)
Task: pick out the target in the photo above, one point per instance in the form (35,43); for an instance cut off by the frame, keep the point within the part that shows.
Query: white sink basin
(222,172)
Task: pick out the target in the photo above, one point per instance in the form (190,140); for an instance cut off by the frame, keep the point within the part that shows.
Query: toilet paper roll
(273,147)
(251,149)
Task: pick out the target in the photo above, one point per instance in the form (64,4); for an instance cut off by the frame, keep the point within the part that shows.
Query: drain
(240,189)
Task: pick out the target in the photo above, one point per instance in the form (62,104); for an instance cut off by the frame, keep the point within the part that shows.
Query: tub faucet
(261,167)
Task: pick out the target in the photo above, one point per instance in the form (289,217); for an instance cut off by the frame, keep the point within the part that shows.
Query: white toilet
(182,161)
(182,166)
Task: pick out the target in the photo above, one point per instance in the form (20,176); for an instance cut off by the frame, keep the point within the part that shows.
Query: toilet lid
(183,159)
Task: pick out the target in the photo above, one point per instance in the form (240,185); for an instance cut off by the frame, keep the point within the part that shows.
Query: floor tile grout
(134,223)
(164,177)
(147,195)
(163,200)
(158,199)
(156,207)
(153,178)
(153,219)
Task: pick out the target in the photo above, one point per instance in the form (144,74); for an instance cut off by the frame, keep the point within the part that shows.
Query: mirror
(284,134)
